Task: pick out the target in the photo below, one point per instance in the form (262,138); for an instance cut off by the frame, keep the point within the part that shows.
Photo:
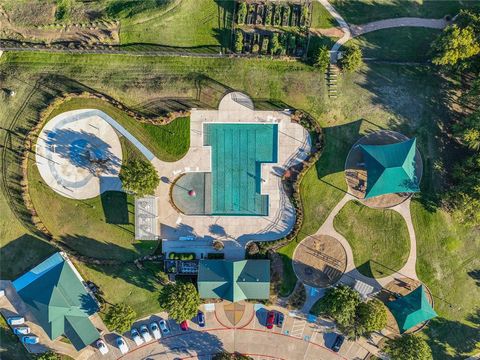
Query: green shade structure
(53,291)
(412,309)
(234,280)
(390,168)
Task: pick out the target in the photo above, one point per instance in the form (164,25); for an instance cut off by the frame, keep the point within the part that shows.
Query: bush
(255,48)
(238,41)
(351,58)
(181,256)
(323,59)
(265,42)
(120,317)
(268,14)
(408,347)
(275,46)
(139,177)
(49,355)
(218,245)
(214,256)
(180,300)
(241,13)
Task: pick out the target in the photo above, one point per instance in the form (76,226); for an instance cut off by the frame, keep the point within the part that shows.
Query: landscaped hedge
(292,43)
(181,256)
(281,14)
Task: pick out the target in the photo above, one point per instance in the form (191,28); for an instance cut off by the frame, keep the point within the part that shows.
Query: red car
(270,319)
(184,325)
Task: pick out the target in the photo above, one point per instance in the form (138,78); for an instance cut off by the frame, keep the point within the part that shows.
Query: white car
(102,347)
(164,327)
(122,345)
(30,339)
(136,337)
(21,330)
(157,335)
(145,333)
(15,320)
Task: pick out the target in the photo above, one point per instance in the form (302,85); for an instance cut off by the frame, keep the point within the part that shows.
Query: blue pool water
(238,150)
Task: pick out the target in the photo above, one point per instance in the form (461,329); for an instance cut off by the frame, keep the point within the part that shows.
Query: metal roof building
(234,280)
(53,291)
(390,168)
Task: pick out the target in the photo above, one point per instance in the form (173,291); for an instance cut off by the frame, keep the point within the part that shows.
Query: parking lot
(297,338)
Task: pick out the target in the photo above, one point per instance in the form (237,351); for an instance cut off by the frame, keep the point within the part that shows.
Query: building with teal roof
(411,309)
(390,168)
(53,291)
(234,280)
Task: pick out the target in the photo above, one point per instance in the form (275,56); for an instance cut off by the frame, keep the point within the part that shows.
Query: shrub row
(273,14)
(181,256)
(270,42)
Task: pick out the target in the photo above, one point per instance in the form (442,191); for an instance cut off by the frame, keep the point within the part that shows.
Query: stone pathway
(357,30)
(350,31)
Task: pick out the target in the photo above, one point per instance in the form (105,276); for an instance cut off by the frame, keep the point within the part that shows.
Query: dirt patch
(330,32)
(320,261)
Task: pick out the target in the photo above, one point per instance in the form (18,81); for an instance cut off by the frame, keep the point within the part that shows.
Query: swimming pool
(234,185)
(238,150)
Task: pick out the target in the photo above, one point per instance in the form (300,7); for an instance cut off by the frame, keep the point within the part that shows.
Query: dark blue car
(201,319)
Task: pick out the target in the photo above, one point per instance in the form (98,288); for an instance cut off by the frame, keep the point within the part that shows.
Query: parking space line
(297,328)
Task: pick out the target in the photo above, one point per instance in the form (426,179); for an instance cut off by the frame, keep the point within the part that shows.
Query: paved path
(350,31)
(343,25)
(351,273)
(357,30)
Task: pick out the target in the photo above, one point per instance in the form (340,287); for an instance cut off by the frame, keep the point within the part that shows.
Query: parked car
(122,345)
(30,339)
(136,337)
(338,343)
(102,347)
(280,318)
(155,330)
(201,319)
(184,325)
(21,330)
(164,327)
(145,333)
(15,320)
(270,319)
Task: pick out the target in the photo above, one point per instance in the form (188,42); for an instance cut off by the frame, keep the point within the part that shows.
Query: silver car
(145,333)
(164,327)
(21,330)
(157,335)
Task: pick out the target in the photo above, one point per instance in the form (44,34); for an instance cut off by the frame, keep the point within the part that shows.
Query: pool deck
(235,231)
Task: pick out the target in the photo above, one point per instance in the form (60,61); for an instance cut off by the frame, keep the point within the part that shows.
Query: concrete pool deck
(235,231)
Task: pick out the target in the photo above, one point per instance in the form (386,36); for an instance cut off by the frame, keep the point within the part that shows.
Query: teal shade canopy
(59,301)
(412,309)
(390,168)
(234,280)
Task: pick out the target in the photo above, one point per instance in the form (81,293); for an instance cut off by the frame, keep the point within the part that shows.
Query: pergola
(390,168)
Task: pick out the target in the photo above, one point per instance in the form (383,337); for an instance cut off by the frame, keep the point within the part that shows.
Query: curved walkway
(351,273)
(357,30)
(351,31)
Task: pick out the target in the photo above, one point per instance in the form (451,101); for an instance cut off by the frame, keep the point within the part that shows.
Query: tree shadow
(115,207)
(475,275)
(446,335)
(17,256)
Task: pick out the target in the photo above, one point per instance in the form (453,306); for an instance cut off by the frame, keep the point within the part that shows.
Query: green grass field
(363,11)
(184,23)
(404,98)
(398,44)
(321,18)
(379,238)
(168,142)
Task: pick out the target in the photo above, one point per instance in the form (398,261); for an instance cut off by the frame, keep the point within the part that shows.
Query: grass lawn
(379,238)
(363,11)
(168,142)
(321,18)
(183,23)
(398,44)
(125,283)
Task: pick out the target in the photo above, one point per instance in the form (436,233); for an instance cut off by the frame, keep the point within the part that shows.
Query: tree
(455,44)
(370,316)
(408,347)
(218,245)
(224,355)
(242,13)
(120,317)
(351,58)
(323,59)
(49,355)
(139,177)
(275,46)
(339,303)
(238,41)
(180,300)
